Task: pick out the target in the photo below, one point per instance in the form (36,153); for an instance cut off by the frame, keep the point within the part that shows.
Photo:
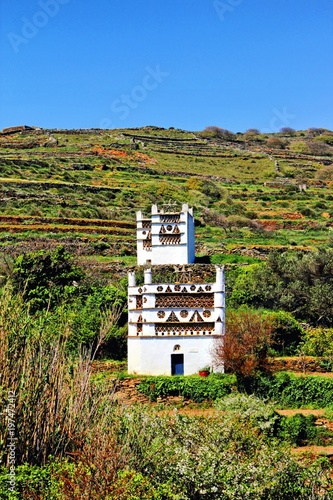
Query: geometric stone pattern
(170,239)
(167,309)
(198,300)
(184,329)
(147,242)
(166,238)
(170,218)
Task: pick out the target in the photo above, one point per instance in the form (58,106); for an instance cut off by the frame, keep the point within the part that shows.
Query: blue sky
(188,64)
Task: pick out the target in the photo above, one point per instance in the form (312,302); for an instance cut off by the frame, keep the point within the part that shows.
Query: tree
(207,187)
(319,148)
(288,131)
(252,134)
(297,282)
(215,132)
(253,131)
(287,332)
(45,277)
(300,147)
(276,143)
(325,173)
(244,348)
(314,131)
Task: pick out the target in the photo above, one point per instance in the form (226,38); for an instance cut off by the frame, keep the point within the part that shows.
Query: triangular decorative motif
(200,289)
(176,230)
(162,230)
(195,317)
(172,318)
(168,290)
(219,320)
(184,290)
(140,319)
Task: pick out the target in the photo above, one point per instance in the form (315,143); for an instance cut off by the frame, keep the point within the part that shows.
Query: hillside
(74,423)
(250,192)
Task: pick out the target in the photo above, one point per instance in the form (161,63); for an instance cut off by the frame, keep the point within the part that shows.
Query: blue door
(177,364)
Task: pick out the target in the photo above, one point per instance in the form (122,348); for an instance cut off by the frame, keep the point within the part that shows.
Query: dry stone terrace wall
(7,219)
(57,185)
(193,273)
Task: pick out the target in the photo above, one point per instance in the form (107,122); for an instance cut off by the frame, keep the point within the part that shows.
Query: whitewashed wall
(152,356)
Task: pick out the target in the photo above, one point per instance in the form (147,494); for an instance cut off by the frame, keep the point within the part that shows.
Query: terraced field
(82,187)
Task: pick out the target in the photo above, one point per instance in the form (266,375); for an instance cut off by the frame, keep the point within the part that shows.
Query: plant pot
(203,373)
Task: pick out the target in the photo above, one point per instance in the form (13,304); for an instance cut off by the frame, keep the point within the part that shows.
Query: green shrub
(293,392)
(287,332)
(195,388)
(37,482)
(298,429)
(318,342)
(46,277)
(221,258)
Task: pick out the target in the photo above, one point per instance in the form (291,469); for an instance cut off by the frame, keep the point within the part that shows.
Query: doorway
(177,364)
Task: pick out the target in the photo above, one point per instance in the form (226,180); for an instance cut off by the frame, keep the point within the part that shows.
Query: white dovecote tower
(172,327)
(167,237)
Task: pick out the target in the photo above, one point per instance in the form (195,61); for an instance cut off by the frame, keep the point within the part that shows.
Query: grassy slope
(85,190)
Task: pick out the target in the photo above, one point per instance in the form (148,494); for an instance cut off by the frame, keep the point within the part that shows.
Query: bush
(195,388)
(318,342)
(293,392)
(244,348)
(259,413)
(300,147)
(222,258)
(55,401)
(206,187)
(287,332)
(46,277)
(298,282)
(298,430)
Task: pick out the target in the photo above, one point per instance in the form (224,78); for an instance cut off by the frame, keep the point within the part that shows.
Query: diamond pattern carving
(172,239)
(199,301)
(167,218)
(184,329)
(146,244)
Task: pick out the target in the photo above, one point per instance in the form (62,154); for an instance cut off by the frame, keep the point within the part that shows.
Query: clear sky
(188,64)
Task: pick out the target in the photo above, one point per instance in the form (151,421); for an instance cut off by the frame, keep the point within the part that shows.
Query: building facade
(167,237)
(172,327)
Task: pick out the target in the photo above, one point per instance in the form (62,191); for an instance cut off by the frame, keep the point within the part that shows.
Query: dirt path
(306,412)
(314,451)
